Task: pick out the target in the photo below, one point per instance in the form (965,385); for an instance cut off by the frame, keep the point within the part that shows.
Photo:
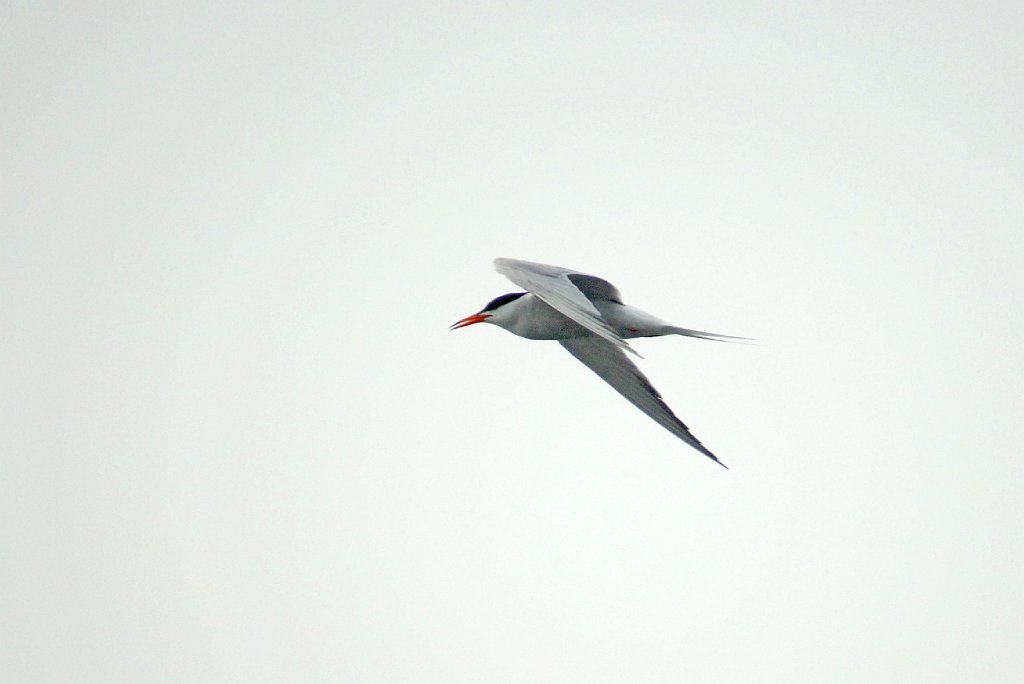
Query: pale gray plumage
(615,368)
(553,286)
(587,316)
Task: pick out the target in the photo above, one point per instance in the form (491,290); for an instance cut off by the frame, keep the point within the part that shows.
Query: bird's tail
(672,330)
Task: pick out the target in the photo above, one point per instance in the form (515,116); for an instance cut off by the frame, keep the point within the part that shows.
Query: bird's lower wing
(552,284)
(615,368)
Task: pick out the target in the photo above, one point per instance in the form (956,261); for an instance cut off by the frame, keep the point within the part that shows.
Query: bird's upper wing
(617,370)
(569,292)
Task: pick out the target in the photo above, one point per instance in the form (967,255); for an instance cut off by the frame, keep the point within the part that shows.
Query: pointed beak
(469,320)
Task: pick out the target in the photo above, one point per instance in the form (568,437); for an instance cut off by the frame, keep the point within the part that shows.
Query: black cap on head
(502,300)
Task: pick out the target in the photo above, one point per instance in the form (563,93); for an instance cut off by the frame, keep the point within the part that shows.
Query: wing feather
(615,368)
(569,292)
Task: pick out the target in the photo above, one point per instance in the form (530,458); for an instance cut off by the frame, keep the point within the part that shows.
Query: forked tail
(672,330)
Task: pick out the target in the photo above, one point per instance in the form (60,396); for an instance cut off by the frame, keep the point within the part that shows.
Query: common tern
(586,315)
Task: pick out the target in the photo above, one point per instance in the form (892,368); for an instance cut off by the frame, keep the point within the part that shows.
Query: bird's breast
(535,320)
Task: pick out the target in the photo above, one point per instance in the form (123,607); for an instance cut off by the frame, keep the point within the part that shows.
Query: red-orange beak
(470,320)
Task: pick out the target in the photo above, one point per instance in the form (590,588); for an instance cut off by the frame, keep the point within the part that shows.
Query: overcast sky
(240,444)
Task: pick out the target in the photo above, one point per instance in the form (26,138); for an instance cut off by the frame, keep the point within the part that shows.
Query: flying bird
(586,315)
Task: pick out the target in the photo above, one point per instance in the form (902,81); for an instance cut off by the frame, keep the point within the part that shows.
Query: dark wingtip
(707,452)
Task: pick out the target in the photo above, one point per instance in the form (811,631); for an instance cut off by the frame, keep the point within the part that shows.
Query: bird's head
(496,311)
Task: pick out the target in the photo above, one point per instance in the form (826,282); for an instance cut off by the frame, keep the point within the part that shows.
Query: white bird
(587,317)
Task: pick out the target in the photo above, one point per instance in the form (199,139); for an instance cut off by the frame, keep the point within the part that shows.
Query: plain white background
(240,444)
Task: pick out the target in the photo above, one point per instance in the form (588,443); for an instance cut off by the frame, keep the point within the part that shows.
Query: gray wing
(615,368)
(569,292)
